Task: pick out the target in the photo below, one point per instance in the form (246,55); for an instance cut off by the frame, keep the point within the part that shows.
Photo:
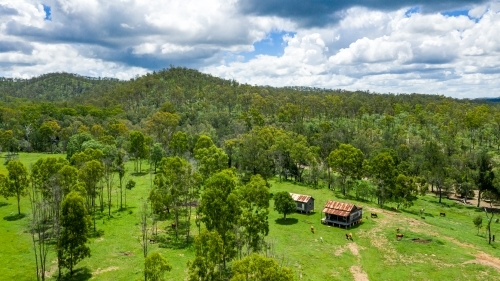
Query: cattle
(442,214)
(374,215)
(399,236)
(312,229)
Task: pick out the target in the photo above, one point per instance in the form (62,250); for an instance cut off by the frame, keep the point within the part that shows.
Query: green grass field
(453,250)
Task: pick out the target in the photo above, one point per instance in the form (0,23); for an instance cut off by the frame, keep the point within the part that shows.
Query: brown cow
(374,215)
(399,236)
(442,214)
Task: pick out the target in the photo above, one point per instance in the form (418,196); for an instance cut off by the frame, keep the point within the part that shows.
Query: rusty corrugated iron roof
(300,197)
(338,208)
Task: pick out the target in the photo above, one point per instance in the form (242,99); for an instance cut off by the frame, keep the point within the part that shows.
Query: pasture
(447,247)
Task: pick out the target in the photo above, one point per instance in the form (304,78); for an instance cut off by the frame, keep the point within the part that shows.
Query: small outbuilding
(341,214)
(305,203)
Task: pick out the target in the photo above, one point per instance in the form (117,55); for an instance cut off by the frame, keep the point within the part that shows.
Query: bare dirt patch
(100,271)
(338,252)
(485,259)
(358,273)
(353,247)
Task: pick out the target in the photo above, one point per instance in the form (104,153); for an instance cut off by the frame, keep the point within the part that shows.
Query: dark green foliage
(478,222)
(71,245)
(256,267)
(16,183)
(284,203)
(155,267)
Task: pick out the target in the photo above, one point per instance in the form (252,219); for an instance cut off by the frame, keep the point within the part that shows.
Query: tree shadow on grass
(171,242)
(288,221)
(310,214)
(14,217)
(96,234)
(4,204)
(80,274)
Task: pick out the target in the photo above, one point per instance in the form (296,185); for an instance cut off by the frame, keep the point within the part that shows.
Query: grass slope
(453,252)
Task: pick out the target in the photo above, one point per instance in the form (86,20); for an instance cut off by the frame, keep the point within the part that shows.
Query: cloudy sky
(447,47)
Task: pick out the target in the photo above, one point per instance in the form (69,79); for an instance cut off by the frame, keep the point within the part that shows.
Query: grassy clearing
(453,250)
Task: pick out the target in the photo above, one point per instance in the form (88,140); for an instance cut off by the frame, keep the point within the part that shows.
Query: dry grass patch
(358,273)
(100,271)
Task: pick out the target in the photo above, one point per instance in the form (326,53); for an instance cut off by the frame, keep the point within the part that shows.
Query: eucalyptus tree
(138,148)
(284,203)
(254,153)
(382,170)
(178,180)
(436,166)
(71,244)
(209,257)
(108,160)
(162,125)
(179,144)
(256,267)
(16,182)
(211,159)
(484,177)
(157,153)
(91,174)
(347,161)
(254,203)
(220,209)
(155,266)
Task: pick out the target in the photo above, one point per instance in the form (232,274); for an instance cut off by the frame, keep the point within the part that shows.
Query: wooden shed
(341,214)
(305,203)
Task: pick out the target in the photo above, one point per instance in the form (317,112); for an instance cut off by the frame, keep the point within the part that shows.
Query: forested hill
(54,86)
(224,109)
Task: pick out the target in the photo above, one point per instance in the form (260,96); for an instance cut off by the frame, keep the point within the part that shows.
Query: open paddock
(447,248)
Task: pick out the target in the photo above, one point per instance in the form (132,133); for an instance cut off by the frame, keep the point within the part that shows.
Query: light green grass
(293,243)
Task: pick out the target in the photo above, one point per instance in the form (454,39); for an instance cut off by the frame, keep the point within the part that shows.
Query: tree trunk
(18,202)
(478,198)
(121,192)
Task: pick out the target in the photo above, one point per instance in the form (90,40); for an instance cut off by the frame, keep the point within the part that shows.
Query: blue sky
(447,47)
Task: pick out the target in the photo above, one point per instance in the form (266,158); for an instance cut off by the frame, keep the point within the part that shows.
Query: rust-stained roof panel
(300,197)
(338,208)
(335,212)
